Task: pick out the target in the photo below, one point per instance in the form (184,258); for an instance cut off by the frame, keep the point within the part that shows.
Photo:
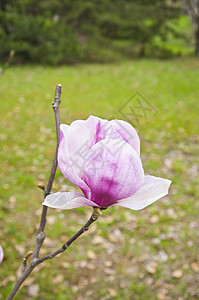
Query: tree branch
(41,235)
(93,218)
(37,261)
(55,104)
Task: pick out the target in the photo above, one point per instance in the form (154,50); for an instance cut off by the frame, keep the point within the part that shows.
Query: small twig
(41,235)
(55,104)
(37,261)
(65,246)
(25,261)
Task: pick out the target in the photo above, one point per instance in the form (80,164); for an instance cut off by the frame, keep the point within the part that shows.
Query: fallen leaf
(97,240)
(161,294)
(171,213)
(7,279)
(65,265)
(49,242)
(195,267)
(20,249)
(172,256)
(151,267)
(91,254)
(112,292)
(12,201)
(108,263)
(51,220)
(38,212)
(28,281)
(109,271)
(91,266)
(58,278)
(33,290)
(154,219)
(177,274)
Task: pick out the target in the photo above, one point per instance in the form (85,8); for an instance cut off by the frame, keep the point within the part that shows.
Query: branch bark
(41,235)
(37,261)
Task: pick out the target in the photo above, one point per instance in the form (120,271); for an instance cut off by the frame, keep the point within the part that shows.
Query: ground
(149,254)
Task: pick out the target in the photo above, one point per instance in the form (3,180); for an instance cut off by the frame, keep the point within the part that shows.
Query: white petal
(67,200)
(153,189)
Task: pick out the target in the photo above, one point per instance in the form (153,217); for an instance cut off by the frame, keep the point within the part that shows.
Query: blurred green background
(56,32)
(149,254)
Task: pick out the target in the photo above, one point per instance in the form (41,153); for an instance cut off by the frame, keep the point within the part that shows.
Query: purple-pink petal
(113,171)
(67,164)
(102,158)
(1,254)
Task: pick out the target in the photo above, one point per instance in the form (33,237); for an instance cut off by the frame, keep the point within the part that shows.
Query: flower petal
(67,200)
(113,171)
(153,189)
(66,164)
(77,139)
(127,133)
(81,136)
(1,254)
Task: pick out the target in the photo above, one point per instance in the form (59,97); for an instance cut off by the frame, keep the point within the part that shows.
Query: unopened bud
(28,254)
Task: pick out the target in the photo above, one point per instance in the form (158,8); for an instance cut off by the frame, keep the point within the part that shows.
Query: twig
(25,261)
(41,235)
(65,246)
(37,261)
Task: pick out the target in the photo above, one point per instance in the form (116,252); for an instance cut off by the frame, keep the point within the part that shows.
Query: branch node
(96,213)
(41,236)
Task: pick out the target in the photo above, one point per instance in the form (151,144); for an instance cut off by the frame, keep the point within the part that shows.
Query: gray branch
(41,235)
(37,261)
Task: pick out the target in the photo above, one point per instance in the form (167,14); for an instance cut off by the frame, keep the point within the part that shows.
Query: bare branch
(41,235)
(37,261)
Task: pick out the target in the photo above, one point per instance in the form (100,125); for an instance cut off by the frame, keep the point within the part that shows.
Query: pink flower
(103,159)
(1,254)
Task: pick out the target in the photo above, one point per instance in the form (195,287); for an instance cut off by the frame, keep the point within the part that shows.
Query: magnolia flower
(1,254)
(102,158)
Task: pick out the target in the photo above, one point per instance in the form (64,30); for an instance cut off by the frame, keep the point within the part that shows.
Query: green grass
(131,240)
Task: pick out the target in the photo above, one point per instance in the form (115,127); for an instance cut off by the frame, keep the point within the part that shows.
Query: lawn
(149,254)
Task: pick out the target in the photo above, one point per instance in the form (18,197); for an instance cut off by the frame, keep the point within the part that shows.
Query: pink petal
(77,139)
(81,136)
(1,254)
(113,171)
(153,189)
(128,133)
(75,142)
(67,200)
(66,164)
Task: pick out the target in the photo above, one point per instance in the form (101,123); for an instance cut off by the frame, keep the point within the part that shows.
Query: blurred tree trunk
(197,40)
(3,5)
(192,8)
